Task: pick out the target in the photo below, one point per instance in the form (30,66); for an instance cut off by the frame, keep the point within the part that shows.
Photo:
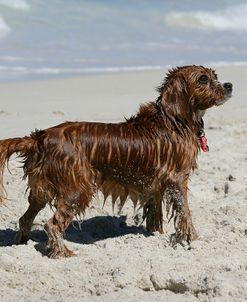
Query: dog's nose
(228,86)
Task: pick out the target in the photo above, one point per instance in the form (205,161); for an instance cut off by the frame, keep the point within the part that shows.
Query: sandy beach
(118,260)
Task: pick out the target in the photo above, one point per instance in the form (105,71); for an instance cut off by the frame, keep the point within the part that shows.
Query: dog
(147,158)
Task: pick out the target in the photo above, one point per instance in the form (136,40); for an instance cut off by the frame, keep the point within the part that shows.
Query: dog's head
(189,90)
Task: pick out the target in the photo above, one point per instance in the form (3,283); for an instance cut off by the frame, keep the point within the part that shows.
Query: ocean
(42,39)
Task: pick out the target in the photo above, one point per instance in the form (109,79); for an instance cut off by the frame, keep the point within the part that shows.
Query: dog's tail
(9,147)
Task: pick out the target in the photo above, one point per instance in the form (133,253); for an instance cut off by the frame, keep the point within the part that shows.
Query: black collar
(159,105)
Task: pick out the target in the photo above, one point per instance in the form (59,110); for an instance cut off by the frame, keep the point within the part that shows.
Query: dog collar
(203,141)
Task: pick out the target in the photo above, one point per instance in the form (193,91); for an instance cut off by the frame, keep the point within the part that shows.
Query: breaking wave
(230,18)
(16,4)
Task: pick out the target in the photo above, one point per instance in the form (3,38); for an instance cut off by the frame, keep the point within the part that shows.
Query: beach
(118,260)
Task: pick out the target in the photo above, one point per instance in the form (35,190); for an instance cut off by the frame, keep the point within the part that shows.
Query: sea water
(57,38)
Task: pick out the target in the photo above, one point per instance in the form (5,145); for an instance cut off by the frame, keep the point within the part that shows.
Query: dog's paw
(59,251)
(185,233)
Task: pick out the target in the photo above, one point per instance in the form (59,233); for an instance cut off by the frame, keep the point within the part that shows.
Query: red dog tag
(204,145)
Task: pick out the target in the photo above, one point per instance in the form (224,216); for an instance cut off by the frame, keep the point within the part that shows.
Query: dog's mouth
(225,99)
(227,86)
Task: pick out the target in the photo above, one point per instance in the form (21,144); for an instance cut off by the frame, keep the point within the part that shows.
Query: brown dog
(147,158)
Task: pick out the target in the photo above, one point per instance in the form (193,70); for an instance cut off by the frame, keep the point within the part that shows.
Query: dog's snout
(228,86)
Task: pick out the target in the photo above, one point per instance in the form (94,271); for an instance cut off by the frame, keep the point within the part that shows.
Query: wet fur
(147,158)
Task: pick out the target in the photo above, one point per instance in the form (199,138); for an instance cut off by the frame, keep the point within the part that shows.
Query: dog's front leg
(177,207)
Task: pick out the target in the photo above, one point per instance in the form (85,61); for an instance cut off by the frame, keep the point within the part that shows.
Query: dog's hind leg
(55,228)
(36,203)
(67,208)
(152,212)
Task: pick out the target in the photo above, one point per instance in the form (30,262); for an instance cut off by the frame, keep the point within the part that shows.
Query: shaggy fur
(147,158)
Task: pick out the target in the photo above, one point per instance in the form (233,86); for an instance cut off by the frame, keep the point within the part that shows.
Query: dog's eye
(203,79)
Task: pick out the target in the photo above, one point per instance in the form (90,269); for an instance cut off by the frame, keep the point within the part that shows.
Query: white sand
(118,261)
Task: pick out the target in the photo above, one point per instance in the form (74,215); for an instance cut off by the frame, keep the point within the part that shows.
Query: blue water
(43,39)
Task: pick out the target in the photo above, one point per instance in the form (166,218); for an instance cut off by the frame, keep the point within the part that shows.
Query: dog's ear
(174,96)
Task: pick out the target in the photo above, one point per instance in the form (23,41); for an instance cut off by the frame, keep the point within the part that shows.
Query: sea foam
(16,4)
(230,18)
(4,28)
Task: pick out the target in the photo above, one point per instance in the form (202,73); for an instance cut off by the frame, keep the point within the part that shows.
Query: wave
(23,70)
(33,73)
(16,4)
(227,64)
(230,18)
(4,28)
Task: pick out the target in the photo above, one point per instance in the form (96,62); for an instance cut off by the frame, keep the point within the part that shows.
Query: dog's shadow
(89,231)
(100,228)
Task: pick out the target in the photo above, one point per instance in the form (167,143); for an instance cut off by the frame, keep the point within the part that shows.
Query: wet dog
(148,158)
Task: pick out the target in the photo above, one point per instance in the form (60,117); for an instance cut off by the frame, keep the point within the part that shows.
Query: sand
(118,260)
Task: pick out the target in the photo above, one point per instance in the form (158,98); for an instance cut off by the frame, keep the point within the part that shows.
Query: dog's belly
(121,184)
(126,176)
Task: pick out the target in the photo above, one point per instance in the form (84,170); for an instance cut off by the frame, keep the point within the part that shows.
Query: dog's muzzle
(228,93)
